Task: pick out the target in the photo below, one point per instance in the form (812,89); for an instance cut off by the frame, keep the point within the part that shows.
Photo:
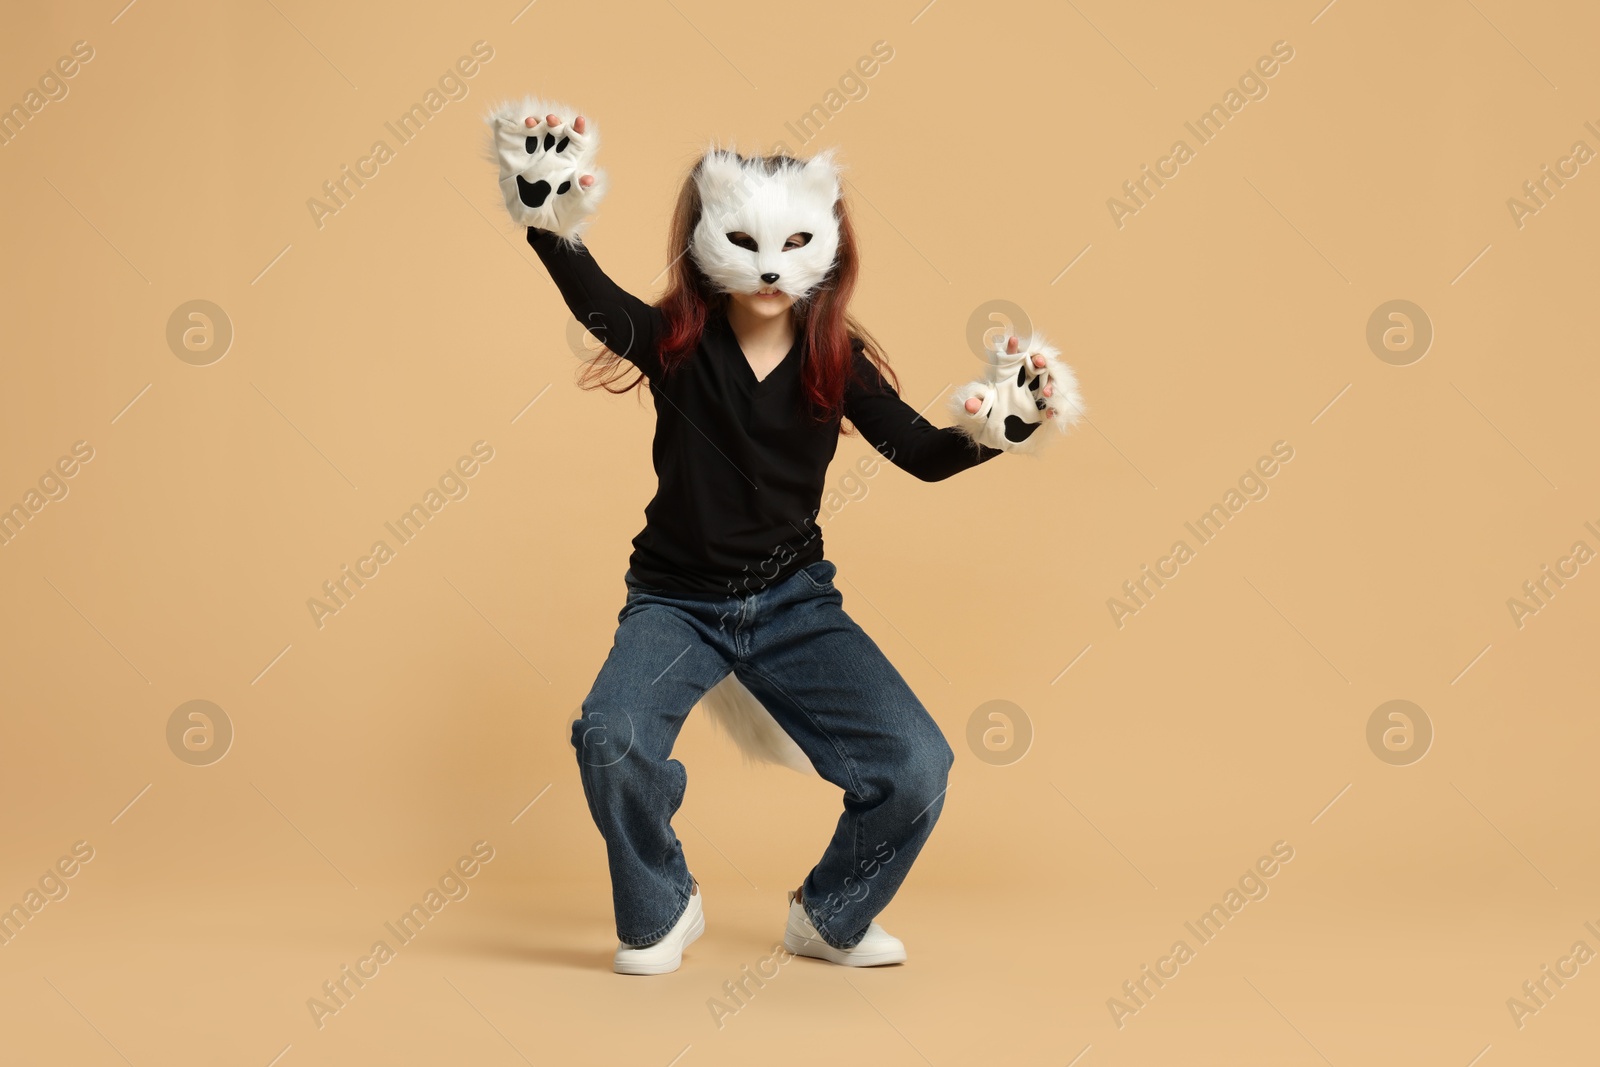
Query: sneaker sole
(821,950)
(696,928)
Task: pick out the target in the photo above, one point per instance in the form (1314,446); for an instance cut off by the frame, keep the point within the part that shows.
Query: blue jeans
(830,688)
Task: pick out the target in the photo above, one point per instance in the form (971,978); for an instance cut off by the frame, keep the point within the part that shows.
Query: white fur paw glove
(1017,398)
(540,165)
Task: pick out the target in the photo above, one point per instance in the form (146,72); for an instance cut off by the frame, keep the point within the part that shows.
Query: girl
(753,361)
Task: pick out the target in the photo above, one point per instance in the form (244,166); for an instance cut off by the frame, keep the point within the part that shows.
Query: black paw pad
(533,194)
(532,144)
(1017,430)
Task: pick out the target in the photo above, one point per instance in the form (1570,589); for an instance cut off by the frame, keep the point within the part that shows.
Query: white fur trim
(532,183)
(1012,392)
(734,710)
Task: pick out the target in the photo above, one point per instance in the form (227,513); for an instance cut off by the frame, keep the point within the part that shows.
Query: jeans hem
(662,931)
(822,930)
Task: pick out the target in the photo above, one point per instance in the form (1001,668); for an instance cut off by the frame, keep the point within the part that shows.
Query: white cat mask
(741,197)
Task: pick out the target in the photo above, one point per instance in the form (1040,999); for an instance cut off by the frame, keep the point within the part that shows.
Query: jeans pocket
(636,594)
(820,574)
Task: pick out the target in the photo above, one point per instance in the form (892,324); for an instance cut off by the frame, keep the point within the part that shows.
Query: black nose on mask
(769,278)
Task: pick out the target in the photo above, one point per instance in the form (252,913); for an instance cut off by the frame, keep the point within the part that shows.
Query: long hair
(690,298)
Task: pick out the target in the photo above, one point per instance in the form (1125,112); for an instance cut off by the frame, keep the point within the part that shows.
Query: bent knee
(602,736)
(922,775)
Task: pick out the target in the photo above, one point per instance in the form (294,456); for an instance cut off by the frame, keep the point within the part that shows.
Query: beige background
(1230,713)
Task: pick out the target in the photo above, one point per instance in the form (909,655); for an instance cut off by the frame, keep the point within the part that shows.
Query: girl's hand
(973,404)
(579,125)
(1024,388)
(548,176)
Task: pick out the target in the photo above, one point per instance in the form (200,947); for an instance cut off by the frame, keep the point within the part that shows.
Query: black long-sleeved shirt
(740,462)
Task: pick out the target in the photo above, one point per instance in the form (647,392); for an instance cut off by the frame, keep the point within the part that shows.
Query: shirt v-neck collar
(736,353)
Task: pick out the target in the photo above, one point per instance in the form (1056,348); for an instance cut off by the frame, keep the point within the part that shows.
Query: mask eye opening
(803,240)
(743,240)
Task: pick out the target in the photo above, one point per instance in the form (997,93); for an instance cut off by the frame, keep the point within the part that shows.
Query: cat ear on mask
(720,177)
(821,174)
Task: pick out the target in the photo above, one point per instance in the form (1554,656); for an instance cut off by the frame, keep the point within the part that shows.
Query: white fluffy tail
(734,710)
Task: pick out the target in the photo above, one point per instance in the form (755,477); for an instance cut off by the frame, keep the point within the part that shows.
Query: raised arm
(894,428)
(619,320)
(551,185)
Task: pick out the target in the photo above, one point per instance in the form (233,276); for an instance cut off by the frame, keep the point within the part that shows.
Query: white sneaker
(875,949)
(663,956)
